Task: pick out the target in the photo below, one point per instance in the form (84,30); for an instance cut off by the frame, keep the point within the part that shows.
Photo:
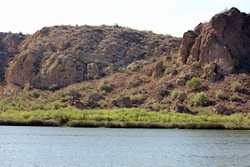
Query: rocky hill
(206,71)
(55,57)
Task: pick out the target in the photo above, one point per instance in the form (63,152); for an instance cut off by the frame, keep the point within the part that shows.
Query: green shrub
(200,99)
(167,70)
(72,92)
(27,87)
(166,100)
(156,106)
(57,105)
(174,94)
(220,95)
(137,98)
(103,103)
(37,106)
(234,97)
(145,78)
(236,87)
(194,82)
(35,94)
(195,64)
(104,87)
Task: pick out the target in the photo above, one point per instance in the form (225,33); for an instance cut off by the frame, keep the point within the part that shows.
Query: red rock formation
(224,40)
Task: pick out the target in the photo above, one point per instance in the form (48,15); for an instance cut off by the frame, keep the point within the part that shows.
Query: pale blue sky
(172,17)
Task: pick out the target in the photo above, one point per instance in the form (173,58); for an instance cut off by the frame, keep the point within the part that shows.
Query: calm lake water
(49,146)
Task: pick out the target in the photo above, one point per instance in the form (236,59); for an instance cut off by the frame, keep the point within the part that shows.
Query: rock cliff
(224,42)
(9,43)
(58,56)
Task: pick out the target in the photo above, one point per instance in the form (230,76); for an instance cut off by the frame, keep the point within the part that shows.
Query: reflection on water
(48,146)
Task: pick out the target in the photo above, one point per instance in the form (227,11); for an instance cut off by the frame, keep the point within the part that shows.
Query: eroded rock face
(186,45)
(9,44)
(224,41)
(58,56)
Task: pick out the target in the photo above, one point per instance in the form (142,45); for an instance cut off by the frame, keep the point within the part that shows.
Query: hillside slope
(55,57)
(110,67)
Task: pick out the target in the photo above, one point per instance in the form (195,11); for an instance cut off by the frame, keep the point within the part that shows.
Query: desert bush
(166,100)
(103,86)
(145,78)
(103,103)
(27,87)
(236,87)
(85,86)
(71,91)
(156,106)
(195,64)
(35,94)
(200,99)
(174,94)
(167,70)
(220,95)
(137,98)
(234,97)
(56,105)
(37,106)
(194,82)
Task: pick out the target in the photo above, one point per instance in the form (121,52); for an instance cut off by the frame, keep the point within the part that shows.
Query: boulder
(74,101)
(156,70)
(80,105)
(211,76)
(181,82)
(221,109)
(182,109)
(209,72)
(181,97)
(224,40)
(92,102)
(123,102)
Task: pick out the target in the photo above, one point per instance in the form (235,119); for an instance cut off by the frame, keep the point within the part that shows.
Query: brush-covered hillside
(89,67)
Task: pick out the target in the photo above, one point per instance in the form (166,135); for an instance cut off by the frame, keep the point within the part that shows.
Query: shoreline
(128,124)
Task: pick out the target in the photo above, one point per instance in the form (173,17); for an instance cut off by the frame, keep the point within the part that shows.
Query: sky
(172,17)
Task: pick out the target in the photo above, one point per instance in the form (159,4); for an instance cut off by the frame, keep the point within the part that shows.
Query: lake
(53,146)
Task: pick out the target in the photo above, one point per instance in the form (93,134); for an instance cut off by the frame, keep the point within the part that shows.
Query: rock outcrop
(156,70)
(58,56)
(223,41)
(9,44)
(182,109)
(221,109)
(122,102)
